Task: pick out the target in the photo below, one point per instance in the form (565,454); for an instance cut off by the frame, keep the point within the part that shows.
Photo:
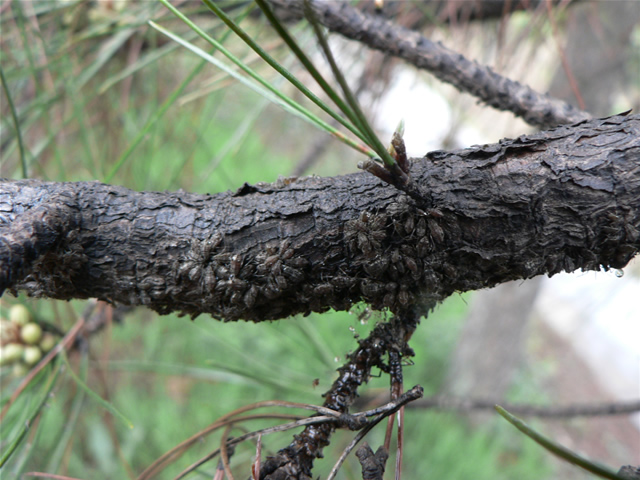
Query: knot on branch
(351,422)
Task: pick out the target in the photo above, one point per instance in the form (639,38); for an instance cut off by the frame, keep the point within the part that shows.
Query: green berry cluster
(22,341)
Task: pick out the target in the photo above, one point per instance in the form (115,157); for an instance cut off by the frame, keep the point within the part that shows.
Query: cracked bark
(559,200)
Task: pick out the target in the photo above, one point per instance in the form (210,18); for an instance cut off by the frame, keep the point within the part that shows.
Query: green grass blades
(26,424)
(16,122)
(284,71)
(107,406)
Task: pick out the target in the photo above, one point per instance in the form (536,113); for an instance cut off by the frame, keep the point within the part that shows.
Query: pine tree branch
(449,66)
(559,200)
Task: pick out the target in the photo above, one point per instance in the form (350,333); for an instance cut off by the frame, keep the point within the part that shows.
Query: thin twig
(224,452)
(176,452)
(255,468)
(308,445)
(388,409)
(400,443)
(345,453)
(388,432)
(235,441)
(466,405)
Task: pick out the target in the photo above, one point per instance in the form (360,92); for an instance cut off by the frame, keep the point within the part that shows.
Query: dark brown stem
(372,463)
(296,460)
(450,67)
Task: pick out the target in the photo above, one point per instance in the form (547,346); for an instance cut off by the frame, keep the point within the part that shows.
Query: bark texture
(560,200)
(449,66)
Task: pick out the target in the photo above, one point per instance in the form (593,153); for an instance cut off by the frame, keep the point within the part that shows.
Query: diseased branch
(559,200)
(296,460)
(449,66)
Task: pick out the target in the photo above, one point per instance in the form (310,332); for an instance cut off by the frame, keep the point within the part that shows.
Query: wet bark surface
(560,200)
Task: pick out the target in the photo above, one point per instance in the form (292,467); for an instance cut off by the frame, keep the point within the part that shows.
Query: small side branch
(397,173)
(296,460)
(449,66)
(470,405)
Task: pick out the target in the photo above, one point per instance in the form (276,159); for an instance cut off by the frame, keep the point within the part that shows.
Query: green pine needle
(358,117)
(557,449)
(16,123)
(259,84)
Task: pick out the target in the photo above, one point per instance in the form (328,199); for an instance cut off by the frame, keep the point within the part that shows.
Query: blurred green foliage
(172,377)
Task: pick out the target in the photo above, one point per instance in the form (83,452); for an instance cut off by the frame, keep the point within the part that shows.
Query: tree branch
(553,411)
(560,200)
(296,460)
(449,66)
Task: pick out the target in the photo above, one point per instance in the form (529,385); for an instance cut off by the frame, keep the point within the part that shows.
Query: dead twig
(467,405)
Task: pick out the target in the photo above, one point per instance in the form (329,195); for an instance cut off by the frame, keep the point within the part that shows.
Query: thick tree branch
(447,65)
(560,200)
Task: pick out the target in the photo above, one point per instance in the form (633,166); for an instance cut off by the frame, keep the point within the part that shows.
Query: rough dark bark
(449,66)
(296,460)
(560,200)
(499,318)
